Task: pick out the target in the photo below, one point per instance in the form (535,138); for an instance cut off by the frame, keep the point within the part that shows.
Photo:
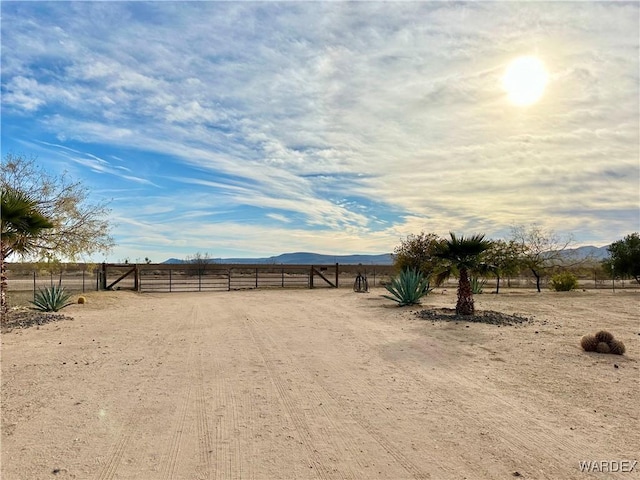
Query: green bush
(477,285)
(52,299)
(408,287)
(564,282)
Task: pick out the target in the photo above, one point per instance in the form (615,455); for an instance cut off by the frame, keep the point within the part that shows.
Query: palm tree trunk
(465,294)
(3,282)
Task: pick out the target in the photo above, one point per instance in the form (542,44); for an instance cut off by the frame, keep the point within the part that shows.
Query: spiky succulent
(604,336)
(589,343)
(51,299)
(616,347)
(408,287)
(603,347)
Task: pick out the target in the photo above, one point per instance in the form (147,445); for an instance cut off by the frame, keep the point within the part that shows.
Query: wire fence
(25,280)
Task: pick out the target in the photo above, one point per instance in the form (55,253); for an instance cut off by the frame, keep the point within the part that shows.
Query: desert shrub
(616,347)
(51,299)
(589,343)
(604,336)
(603,347)
(564,282)
(408,287)
(477,285)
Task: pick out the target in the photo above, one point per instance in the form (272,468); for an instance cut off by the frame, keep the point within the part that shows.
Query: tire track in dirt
(173,455)
(130,426)
(228,458)
(205,448)
(115,455)
(330,406)
(524,438)
(300,424)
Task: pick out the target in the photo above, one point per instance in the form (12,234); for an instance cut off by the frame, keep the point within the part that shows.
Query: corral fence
(214,276)
(24,279)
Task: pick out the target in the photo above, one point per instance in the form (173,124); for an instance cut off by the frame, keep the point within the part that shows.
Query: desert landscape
(327,384)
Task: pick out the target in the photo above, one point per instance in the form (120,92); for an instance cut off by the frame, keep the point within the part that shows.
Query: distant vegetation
(532,251)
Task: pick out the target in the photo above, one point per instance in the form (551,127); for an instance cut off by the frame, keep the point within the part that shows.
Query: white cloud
(286,108)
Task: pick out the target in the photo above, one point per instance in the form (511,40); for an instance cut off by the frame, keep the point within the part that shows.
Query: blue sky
(251,129)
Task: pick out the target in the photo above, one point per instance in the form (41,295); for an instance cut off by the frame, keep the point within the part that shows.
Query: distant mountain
(597,253)
(304,258)
(308,258)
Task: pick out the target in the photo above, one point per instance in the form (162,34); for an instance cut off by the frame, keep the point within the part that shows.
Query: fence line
(226,277)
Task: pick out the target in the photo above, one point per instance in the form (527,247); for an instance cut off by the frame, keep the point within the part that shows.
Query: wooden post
(283,278)
(169,280)
(229,280)
(311,277)
(337,270)
(104,276)
(256,277)
(136,279)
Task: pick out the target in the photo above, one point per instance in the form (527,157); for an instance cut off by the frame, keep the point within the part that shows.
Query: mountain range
(308,258)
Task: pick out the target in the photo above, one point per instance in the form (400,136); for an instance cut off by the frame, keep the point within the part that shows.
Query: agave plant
(52,299)
(477,285)
(408,287)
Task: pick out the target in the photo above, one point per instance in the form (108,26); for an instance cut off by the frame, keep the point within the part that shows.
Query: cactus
(616,347)
(589,343)
(603,347)
(82,300)
(604,336)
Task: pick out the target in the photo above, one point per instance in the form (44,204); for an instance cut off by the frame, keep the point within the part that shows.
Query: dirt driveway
(325,384)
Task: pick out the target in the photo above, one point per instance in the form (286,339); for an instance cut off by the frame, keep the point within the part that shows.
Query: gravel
(485,316)
(25,318)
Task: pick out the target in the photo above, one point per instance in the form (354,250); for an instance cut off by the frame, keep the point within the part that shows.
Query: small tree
(463,255)
(541,251)
(80,227)
(418,252)
(625,257)
(502,258)
(200,260)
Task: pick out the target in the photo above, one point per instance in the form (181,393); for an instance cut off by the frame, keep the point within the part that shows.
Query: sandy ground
(326,384)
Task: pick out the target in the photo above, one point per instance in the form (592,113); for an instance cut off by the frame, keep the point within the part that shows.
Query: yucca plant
(408,287)
(51,299)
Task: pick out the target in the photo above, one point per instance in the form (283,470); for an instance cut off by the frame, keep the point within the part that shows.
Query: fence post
(311,277)
(83,280)
(199,279)
(34,285)
(256,277)
(283,278)
(169,280)
(104,276)
(337,271)
(229,280)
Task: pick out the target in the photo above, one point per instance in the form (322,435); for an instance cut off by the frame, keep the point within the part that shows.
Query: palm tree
(20,224)
(463,255)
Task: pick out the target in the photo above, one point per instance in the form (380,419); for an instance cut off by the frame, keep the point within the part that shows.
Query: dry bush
(589,343)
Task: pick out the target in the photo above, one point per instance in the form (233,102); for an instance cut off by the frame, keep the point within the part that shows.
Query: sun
(525,80)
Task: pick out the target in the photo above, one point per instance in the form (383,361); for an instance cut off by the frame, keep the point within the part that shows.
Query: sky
(242,129)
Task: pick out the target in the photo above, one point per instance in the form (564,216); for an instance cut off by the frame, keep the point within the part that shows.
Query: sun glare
(525,80)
